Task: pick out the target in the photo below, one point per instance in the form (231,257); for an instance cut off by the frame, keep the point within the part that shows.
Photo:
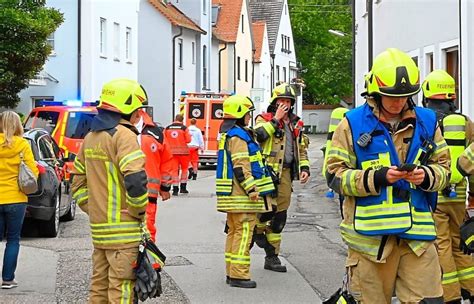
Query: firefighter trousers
(458,268)
(180,169)
(272,228)
(113,278)
(412,277)
(237,245)
(151,210)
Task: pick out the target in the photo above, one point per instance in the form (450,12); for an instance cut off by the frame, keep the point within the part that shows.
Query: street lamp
(338,33)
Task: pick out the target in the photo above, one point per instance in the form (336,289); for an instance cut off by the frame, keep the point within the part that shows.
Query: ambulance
(207,109)
(68,122)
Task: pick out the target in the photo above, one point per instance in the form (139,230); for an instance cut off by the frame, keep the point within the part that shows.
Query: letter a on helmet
(393,73)
(123,96)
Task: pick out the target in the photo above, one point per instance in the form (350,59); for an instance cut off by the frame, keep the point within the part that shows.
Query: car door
(48,158)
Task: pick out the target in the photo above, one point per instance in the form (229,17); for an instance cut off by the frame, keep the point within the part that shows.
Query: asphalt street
(190,233)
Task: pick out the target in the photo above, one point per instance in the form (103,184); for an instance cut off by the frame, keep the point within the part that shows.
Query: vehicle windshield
(44,119)
(78,124)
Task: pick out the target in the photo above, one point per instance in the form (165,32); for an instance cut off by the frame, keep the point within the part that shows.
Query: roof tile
(258,29)
(270,11)
(227,25)
(175,16)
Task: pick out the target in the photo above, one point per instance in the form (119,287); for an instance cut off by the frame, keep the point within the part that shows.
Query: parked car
(46,206)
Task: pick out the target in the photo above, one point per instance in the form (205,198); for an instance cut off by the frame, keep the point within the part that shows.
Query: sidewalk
(36,276)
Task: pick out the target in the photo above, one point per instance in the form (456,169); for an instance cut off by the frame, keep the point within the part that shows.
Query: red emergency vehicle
(68,123)
(207,109)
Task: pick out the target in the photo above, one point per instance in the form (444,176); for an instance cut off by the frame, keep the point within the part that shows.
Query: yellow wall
(244,51)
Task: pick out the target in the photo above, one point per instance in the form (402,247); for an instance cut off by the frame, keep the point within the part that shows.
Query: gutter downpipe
(371,33)
(272,56)
(79,24)
(219,69)
(174,72)
(235,71)
(460,57)
(253,68)
(353,55)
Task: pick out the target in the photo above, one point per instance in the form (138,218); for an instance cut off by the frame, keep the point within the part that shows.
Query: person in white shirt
(196,145)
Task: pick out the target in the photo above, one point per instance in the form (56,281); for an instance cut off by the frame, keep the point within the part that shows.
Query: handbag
(342,295)
(26,179)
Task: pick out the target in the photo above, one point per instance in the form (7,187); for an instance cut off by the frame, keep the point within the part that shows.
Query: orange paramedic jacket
(158,164)
(178,138)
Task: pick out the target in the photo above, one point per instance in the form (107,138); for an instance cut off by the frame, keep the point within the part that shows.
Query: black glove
(467,236)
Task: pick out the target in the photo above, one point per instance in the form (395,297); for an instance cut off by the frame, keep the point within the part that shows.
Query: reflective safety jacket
(347,176)
(399,208)
(240,171)
(109,184)
(178,138)
(158,164)
(272,137)
(336,116)
(457,131)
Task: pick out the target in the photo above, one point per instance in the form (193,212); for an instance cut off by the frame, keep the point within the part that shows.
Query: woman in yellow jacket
(12,201)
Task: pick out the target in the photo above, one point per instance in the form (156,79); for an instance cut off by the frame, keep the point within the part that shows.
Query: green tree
(326,59)
(24,28)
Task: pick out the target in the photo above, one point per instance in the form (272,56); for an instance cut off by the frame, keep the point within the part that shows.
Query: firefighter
(242,186)
(109,185)
(439,93)
(178,138)
(336,116)
(285,151)
(388,158)
(196,145)
(158,166)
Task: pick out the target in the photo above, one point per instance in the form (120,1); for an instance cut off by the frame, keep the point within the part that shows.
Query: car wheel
(71,214)
(50,228)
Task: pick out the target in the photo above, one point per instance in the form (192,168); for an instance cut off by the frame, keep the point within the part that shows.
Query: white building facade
(283,64)
(168,57)
(88,51)
(431,38)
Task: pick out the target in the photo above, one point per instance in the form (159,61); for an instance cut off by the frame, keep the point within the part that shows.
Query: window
(78,124)
(429,62)
(238,68)
(204,67)
(50,41)
(286,10)
(128,44)
(288,47)
(452,67)
(37,101)
(215,13)
(180,53)
(116,41)
(103,37)
(204,7)
(46,120)
(278,73)
(246,70)
(284,74)
(242,18)
(45,148)
(193,52)
(283,42)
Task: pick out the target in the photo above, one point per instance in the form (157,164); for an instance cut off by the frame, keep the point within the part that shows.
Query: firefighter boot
(183,188)
(175,190)
(190,173)
(273,263)
(242,283)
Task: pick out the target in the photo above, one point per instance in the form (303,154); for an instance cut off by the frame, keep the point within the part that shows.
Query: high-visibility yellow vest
(336,117)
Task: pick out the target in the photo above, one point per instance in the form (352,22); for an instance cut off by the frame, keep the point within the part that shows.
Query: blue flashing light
(183,93)
(73,103)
